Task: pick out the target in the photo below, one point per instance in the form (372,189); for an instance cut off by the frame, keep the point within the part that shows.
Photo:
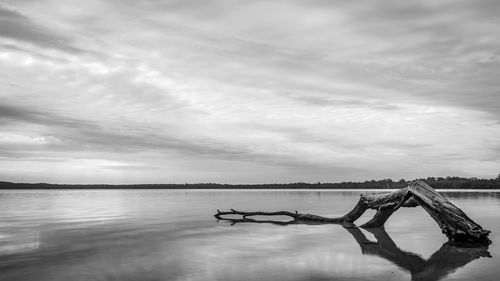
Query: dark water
(172,235)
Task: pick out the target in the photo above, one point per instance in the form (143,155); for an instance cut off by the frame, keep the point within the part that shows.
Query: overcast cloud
(248,91)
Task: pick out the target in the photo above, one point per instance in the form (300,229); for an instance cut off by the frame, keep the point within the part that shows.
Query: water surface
(172,235)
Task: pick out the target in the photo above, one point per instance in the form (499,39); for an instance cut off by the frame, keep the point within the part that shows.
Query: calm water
(172,235)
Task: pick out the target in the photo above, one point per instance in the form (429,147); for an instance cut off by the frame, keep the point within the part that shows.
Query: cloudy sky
(248,91)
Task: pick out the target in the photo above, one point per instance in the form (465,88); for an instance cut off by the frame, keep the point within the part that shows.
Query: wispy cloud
(15,25)
(238,91)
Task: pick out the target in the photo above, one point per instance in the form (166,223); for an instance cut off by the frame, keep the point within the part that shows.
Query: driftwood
(454,223)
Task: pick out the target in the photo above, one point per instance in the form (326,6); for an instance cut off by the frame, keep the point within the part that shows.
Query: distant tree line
(436,182)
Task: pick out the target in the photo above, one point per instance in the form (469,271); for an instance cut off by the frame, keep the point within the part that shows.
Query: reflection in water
(445,260)
(154,235)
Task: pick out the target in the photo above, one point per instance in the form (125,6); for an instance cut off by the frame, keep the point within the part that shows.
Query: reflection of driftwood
(444,261)
(453,222)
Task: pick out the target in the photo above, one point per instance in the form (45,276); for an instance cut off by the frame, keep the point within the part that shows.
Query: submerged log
(454,223)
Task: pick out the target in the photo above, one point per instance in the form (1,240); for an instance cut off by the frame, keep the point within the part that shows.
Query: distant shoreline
(438,183)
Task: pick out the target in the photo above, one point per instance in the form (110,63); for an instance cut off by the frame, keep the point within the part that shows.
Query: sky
(231,91)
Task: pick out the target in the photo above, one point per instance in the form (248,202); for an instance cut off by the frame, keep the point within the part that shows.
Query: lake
(172,235)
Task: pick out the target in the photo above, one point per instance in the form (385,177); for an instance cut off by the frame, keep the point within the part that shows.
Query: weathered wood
(454,223)
(296,216)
